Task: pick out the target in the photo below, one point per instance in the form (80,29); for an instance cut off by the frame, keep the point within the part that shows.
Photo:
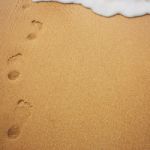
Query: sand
(72,80)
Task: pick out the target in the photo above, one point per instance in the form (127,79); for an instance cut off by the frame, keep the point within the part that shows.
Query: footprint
(13,75)
(22,112)
(31,36)
(14,57)
(25,6)
(37,24)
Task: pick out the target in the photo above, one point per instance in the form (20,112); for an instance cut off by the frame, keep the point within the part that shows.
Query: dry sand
(72,80)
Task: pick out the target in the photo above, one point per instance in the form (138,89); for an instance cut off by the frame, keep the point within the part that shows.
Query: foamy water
(129,8)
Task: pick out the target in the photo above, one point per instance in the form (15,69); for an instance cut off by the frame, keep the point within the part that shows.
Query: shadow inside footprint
(14,57)
(25,6)
(13,75)
(14,131)
(31,36)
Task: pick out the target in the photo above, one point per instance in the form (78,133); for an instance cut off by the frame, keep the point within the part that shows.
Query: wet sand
(72,80)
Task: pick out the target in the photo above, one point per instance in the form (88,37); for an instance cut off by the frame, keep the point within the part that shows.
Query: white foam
(129,8)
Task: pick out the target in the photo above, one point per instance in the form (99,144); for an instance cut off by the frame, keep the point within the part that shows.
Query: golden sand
(72,80)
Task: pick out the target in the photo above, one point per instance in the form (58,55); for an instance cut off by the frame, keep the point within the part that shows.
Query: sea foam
(128,8)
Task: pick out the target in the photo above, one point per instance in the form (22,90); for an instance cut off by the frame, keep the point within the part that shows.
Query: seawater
(128,8)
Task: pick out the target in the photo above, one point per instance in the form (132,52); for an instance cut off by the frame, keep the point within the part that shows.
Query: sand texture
(72,80)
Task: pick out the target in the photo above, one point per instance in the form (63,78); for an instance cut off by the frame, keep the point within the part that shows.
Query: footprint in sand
(38,26)
(22,112)
(13,74)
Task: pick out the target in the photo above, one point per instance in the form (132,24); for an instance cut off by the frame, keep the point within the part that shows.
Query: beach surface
(71,79)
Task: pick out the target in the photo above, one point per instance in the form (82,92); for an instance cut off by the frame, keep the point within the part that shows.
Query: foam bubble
(128,8)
